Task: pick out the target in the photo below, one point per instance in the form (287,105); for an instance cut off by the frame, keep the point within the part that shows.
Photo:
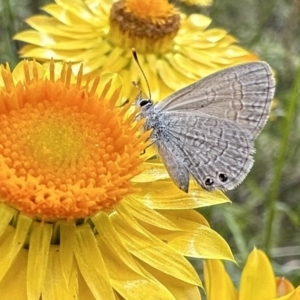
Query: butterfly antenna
(134,54)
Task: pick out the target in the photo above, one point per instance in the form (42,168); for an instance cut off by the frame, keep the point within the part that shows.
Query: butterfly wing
(171,155)
(216,152)
(242,94)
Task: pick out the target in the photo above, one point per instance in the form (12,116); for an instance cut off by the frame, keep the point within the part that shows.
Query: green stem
(274,189)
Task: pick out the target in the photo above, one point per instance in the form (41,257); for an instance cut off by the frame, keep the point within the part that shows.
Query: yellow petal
(152,250)
(198,2)
(40,239)
(32,66)
(164,194)
(6,214)
(173,79)
(211,40)
(135,72)
(93,53)
(234,51)
(64,15)
(218,284)
(203,58)
(185,70)
(196,240)
(257,281)
(91,264)
(116,60)
(91,59)
(187,66)
(111,237)
(294,295)
(127,85)
(40,39)
(79,9)
(84,291)
(67,238)
(147,215)
(195,23)
(50,25)
(111,79)
(283,286)
(179,289)
(41,53)
(164,91)
(56,286)
(7,234)
(215,35)
(126,278)
(92,64)
(187,214)
(152,77)
(11,246)
(13,285)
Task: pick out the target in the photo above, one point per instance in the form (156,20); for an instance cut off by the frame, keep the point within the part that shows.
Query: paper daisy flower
(198,2)
(82,215)
(257,281)
(174,49)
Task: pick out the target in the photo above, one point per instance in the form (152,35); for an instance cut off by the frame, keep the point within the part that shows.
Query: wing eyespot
(209,181)
(223,177)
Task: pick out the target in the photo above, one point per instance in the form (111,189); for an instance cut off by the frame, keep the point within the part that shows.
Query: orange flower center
(148,26)
(64,151)
(154,9)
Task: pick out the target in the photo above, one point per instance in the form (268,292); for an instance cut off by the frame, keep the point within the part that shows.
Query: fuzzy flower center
(155,9)
(56,141)
(64,152)
(148,26)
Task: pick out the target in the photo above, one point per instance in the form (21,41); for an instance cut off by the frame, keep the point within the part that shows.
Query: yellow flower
(198,2)
(174,49)
(257,281)
(82,215)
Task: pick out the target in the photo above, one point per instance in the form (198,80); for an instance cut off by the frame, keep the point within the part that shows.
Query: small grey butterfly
(207,129)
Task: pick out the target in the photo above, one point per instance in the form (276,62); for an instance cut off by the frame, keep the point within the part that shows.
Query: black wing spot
(223,177)
(209,182)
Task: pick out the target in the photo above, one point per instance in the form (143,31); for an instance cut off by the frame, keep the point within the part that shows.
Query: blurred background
(265,212)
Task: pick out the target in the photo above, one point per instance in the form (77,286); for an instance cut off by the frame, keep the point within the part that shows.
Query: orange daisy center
(154,9)
(64,151)
(148,26)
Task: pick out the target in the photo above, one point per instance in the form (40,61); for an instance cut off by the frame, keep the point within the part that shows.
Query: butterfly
(207,129)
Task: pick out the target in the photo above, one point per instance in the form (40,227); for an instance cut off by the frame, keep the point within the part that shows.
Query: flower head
(82,214)
(198,2)
(257,281)
(65,152)
(174,49)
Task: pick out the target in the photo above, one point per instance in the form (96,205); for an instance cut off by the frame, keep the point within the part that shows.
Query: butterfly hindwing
(216,152)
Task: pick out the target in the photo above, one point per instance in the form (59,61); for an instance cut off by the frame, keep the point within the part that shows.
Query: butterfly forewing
(241,94)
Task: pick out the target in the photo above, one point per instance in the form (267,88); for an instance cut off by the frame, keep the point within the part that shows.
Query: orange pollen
(65,152)
(144,25)
(150,9)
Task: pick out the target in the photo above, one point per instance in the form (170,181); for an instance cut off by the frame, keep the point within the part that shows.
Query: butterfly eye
(223,177)
(144,102)
(209,182)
